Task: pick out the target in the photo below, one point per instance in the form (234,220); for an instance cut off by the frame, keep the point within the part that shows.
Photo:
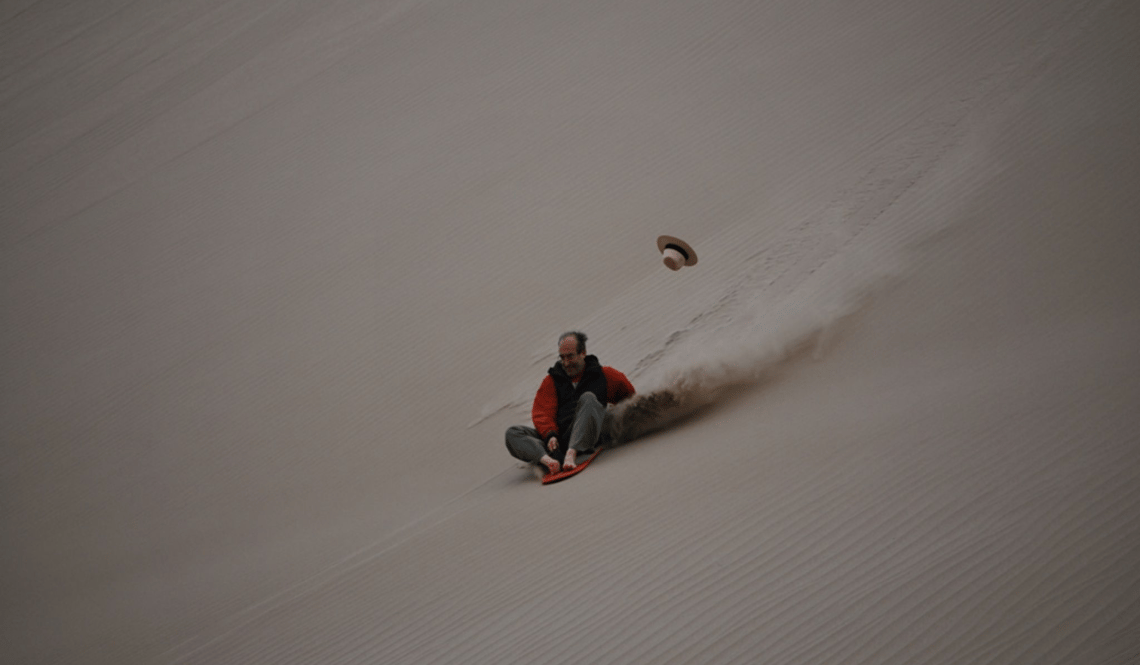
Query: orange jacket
(545,409)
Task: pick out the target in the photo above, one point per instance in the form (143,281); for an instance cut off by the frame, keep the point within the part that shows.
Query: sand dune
(276,277)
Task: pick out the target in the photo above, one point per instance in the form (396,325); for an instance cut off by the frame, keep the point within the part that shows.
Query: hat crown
(675,252)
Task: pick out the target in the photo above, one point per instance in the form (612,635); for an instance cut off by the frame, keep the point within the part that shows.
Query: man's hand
(552,444)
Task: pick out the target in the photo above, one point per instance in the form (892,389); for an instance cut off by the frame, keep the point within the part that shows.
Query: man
(569,407)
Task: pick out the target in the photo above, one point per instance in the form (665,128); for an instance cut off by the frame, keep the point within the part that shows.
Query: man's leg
(525,444)
(588,417)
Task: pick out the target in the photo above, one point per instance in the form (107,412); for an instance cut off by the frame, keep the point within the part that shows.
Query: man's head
(572,352)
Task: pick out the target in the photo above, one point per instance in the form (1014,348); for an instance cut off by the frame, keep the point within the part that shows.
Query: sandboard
(563,475)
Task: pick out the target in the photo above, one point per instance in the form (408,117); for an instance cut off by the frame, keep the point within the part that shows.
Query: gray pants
(525,443)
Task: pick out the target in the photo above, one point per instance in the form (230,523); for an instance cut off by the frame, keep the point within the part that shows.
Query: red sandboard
(563,475)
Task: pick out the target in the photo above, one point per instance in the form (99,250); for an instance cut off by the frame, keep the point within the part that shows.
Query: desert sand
(276,277)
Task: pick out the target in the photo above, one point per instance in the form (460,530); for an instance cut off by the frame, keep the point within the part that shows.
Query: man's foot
(550,463)
(570,464)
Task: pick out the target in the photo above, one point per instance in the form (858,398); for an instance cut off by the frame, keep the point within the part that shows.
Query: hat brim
(663,243)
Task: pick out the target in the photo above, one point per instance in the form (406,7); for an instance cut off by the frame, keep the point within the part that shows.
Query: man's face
(572,361)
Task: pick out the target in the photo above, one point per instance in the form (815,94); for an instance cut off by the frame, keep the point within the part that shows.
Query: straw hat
(677,252)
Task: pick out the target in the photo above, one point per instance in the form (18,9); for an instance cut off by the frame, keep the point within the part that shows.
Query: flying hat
(677,252)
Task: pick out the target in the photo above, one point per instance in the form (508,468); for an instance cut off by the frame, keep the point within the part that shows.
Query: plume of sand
(707,369)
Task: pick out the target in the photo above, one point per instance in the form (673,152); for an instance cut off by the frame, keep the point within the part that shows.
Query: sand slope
(277,275)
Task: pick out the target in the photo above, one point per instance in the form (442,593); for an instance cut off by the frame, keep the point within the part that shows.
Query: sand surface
(276,276)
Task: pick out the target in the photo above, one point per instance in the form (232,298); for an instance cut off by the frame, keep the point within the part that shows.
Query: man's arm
(544,411)
(617,386)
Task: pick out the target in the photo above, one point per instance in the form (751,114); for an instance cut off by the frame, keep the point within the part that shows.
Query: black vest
(593,380)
